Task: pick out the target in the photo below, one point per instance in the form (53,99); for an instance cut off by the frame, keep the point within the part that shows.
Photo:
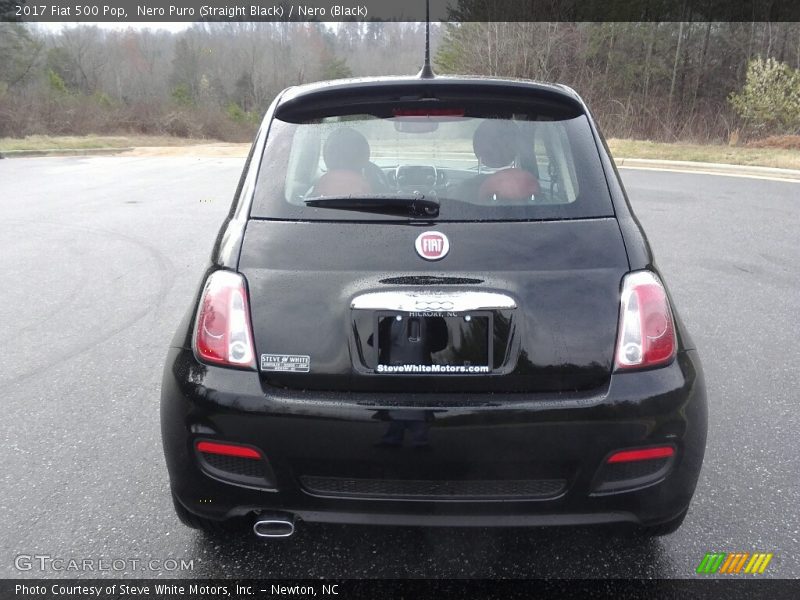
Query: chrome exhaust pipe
(274,525)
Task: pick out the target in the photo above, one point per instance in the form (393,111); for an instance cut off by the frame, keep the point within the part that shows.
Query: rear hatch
(450,244)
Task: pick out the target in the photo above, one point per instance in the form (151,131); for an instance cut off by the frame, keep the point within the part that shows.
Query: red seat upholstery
(517,185)
(341,182)
(346,155)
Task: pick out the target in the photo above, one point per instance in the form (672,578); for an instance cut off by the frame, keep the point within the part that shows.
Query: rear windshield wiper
(414,206)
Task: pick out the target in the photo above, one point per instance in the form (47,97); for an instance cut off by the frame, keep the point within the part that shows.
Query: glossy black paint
(552,409)
(470,436)
(344,95)
(565,275)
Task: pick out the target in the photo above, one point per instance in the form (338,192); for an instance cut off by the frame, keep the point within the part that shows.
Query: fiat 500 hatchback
(431,304)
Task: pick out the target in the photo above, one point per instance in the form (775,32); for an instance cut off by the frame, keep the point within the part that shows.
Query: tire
(208,526)
(666,528)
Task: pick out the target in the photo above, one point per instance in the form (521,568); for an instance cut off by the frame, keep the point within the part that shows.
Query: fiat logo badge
(432,245)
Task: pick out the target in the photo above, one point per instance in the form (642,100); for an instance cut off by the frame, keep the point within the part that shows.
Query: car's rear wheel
(206,525)
(666,528)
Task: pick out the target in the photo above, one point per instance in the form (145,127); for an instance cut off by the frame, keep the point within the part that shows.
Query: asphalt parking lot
(100,257)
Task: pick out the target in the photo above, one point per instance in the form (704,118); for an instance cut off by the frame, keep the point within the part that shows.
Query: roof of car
(355,87)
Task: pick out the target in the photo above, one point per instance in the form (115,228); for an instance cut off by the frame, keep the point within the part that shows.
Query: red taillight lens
(642,454)
(222,330)
(646,330)
(227,450)
(428,112)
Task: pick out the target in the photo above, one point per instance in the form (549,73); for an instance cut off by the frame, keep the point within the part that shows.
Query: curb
(709,168)
(62,152)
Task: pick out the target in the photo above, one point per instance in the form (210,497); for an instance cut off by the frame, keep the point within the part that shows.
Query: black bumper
(417,459)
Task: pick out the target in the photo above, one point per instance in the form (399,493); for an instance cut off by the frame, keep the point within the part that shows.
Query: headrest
(346,148)
(495,143)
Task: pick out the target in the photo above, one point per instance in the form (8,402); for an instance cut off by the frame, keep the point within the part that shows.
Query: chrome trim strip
(413,301)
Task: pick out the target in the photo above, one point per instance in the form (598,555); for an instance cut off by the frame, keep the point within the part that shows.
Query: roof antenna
(427,72)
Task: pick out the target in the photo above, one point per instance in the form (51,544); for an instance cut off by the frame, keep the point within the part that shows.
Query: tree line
(661,81)
(212,80)
(697,81)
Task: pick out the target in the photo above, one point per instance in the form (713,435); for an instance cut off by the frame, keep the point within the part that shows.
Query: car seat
(346,155)
(495,145)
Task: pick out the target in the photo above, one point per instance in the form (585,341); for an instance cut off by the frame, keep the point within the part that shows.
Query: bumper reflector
(642,454)
(228,450)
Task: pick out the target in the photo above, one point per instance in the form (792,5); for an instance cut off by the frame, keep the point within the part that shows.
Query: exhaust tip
(274,526)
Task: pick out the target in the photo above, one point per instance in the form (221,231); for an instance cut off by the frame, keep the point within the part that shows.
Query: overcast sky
(170,26)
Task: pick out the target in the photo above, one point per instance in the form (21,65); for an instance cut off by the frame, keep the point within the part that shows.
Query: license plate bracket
(418,343)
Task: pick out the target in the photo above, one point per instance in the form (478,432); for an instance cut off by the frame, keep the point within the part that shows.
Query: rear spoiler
(383,98)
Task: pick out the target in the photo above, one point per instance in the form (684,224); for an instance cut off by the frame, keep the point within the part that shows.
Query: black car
(431,304)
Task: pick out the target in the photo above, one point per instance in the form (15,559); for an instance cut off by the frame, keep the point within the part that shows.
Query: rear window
(476,163)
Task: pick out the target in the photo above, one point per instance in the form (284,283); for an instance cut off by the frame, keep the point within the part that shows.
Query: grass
(710,153)
(86,142)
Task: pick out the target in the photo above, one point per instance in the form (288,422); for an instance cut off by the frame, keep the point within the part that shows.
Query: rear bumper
(365,447)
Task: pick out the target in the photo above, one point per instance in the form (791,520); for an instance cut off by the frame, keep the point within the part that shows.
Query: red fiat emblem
(432,245)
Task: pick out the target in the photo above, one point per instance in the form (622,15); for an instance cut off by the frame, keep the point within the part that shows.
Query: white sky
(169,26)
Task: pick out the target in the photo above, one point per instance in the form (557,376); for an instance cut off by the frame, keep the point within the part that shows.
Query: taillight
(646,330)
(222,329)
(428,112)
